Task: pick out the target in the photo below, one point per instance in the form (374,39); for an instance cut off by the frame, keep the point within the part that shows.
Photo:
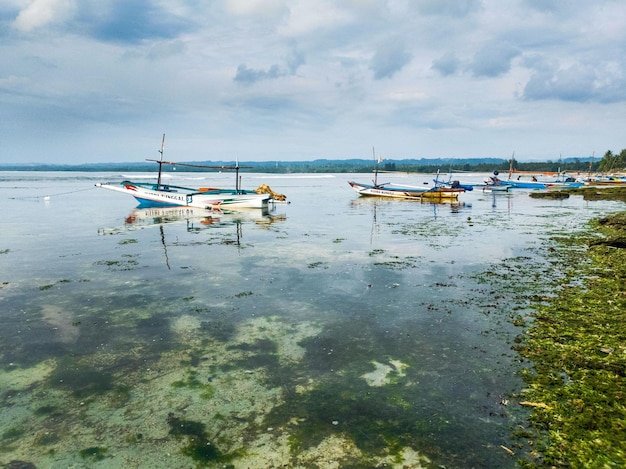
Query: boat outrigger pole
(161,161)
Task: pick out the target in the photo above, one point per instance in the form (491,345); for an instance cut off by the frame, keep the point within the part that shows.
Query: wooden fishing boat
(439,191)
(562,181)
(150,194)
(165,195)
(406,192)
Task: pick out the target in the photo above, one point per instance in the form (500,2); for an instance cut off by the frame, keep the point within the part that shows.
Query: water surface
(337,331)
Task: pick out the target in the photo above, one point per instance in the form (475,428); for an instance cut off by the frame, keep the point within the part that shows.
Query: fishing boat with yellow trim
(150,194)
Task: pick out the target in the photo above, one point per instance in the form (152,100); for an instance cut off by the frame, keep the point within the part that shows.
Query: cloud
(493,60)
(256,8)
(295,59)
(576,83)
(389,58)
(40,13)
(117,21)
(416,70)
(550,6)
(447,64)
(130,22)
(451,8)
(248,76)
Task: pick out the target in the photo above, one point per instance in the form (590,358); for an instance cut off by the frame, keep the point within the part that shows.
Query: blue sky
(261,80)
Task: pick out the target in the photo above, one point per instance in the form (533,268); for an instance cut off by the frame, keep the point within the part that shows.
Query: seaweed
(83,381)
(198,446)
(553,194)
(95,453)
(577,385)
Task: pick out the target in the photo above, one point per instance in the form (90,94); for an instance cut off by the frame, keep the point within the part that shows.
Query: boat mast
(375,167)
(161,161)
(237,182)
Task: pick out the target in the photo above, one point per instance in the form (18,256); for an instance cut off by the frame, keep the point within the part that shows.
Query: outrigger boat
(561,182)
(406,192)
(439,191)
(149,194)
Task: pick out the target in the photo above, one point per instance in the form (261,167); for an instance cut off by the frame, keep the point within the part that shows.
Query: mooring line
(50,195)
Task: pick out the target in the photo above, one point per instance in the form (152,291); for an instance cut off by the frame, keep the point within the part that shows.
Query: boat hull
(153,195)
(405,192)
(495,188)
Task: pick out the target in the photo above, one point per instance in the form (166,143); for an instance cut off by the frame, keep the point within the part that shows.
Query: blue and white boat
(151,194)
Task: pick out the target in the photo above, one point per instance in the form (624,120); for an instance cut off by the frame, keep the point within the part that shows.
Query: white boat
(166,195)
(406,192)
(439,191)
(150,194)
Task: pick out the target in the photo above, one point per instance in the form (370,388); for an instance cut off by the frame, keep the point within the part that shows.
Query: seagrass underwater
(337,329)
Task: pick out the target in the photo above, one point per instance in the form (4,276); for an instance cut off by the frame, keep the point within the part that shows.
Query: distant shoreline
(423,165)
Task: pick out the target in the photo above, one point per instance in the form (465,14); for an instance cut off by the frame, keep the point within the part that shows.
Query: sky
(92,81)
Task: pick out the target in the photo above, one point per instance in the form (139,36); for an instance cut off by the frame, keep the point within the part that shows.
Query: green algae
(552,194)
(198,445)
(375,419)
(397,263)
(127,263)
(262,356)
(94,453)
(617,193)
(192,381)
(577,344)
(244,294)
(380,420)
(45,410)
(13,433)
(82,380)
(601,192)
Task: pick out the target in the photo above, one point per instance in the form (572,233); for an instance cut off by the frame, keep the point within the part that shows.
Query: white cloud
(256,7)
(306,17)
(311,77)
(39,13)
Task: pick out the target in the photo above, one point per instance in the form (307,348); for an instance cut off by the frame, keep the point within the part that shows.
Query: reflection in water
(195,218)
(362,332)
(167,261)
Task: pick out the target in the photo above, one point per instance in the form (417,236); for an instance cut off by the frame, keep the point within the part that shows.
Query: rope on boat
(265,189)
(46,197)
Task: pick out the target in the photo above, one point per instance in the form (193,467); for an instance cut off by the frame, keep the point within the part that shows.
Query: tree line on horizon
(612,162)
(609,163)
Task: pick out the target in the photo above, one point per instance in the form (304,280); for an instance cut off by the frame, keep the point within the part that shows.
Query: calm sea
(337,331)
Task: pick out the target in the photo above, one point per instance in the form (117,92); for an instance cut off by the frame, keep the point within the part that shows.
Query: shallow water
(336,332)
